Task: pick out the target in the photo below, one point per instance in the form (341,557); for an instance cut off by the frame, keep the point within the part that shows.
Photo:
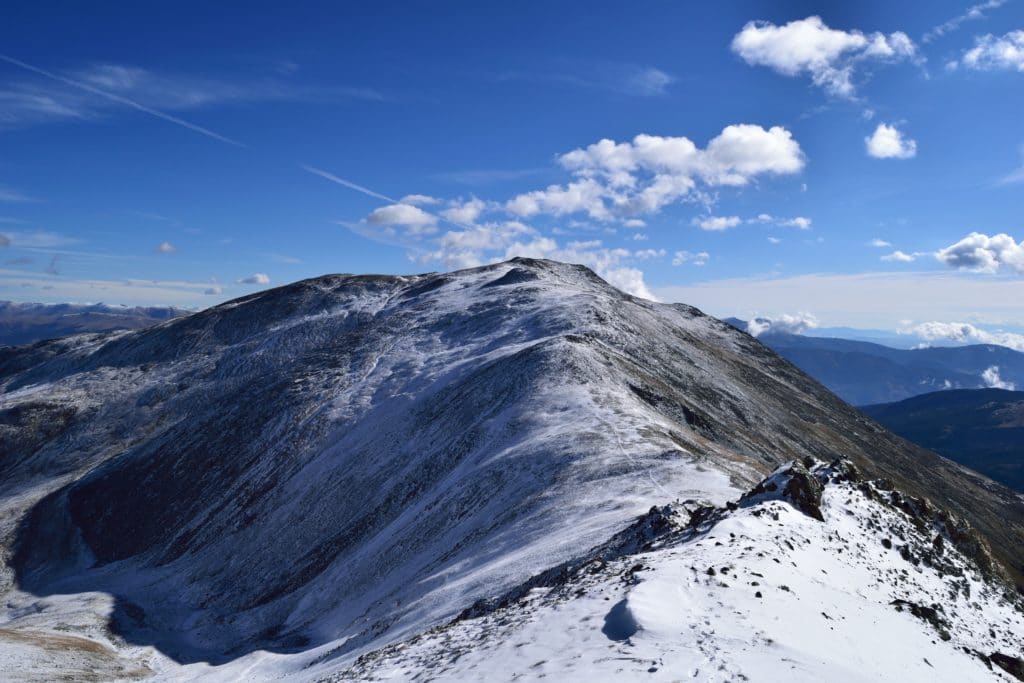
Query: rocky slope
(288,481)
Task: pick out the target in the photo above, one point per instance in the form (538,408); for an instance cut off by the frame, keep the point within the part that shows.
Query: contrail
(346,183)
(121,100)
(376,195)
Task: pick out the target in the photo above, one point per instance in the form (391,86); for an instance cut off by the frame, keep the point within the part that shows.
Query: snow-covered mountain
(286,483)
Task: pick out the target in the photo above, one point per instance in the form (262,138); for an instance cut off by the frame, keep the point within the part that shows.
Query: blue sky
(859,164)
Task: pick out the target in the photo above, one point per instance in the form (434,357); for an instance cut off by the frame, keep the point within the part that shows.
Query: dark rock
(1011,665)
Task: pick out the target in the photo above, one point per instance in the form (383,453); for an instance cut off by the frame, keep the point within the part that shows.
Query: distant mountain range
(28,323)
(982,429)
(864,373)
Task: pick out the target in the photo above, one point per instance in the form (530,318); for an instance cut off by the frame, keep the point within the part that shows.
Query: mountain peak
(327,467)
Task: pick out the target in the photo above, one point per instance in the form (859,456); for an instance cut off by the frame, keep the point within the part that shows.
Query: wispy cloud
(129,291)
(623,79)
(87,87)
(861,300)
(972,13)
(8,194)
(38,239)
(95,91)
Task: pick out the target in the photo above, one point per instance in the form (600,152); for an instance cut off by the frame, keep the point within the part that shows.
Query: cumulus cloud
(644,254)
(994,381)
(785,324)
(994,52)
(887,142)
(965,333)
(465,212)
(717,223)
(807,46)
(166,248)
(412,218)
(984,254)
(899,256)
(255,279)
(880,243)
(627,179)
(419,200)
(699,258)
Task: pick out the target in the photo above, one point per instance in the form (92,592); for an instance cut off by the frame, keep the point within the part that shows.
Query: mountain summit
(293,480)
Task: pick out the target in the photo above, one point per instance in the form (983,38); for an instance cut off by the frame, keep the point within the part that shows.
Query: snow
(824,613)
(285,483)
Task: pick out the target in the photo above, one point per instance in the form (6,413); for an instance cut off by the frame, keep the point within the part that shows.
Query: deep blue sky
(118,124)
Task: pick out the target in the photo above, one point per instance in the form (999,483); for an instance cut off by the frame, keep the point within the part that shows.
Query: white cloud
(413,218)
(627,179)
(644,254)
(887,142)
(972,13)
(640,237)
(994,52)
(213,290)
(786,323)
(634,223)
(774,240)
(984,254)
(964,333)
(994,381)
(166,248)
(255,279)
(799,222)
(898,256)
(699,258)
(464,212)
(880,243)
(808,46)
(717,223)
(419,200)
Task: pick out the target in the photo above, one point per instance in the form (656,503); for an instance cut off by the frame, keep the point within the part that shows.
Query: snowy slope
(762,592)
(280,484)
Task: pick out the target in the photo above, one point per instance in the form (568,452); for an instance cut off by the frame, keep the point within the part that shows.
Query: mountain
(28,323)
(864,373)
(288,482)
(982,429)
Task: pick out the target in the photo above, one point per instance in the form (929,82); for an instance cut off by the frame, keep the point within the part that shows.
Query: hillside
(982,429)
(864,373)
(288,481)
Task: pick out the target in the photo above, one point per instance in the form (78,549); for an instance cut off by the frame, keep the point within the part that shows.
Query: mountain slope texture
(295,483)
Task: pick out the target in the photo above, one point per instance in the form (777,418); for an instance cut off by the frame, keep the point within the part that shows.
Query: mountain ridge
(345,461)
